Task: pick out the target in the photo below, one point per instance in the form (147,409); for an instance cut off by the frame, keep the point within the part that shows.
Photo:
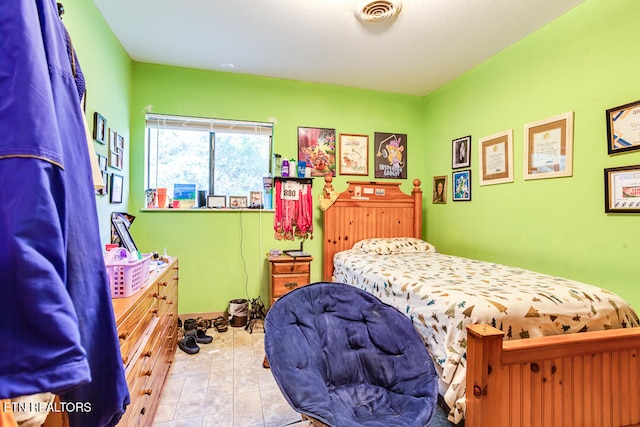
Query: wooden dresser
(147,325)
(288,273)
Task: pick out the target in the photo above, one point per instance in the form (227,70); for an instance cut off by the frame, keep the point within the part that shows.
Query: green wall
(223,254)
(586,61)
(107,70)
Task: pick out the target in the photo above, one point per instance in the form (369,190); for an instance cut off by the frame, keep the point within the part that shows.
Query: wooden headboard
(368,209)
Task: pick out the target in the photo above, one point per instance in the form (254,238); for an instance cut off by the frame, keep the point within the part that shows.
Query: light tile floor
(223,385)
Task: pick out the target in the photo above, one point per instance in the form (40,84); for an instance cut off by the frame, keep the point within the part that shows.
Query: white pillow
(393,245)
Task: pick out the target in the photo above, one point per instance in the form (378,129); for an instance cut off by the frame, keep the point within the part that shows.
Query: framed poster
(622,189)
(462,186)
(440,189)
(317,147)
(548,147)
(496,158)
(354,154)
(623,128)
(461,152)
(391,152)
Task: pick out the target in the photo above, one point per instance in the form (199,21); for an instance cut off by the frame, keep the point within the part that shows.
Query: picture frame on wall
(440,189)
(496,158)
(622,189)
(99,128)
(391,155)
(117,188)
(461,181)
(623,128)
(354,154)
(548,147)
(216,202)
(317,147)
(461,152)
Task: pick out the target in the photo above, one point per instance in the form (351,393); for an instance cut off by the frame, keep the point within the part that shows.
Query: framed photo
(104,190)
(440,189)
(462,186)
(548,147)
(115,154)
(461,152)
(102,162)
(317,146)
(119,142)
(216,202)
(354,154)
(255,199)
(622,189)
(623,128)
(496,158)
(391,153)
(117,188)
(237,202)
(99,128)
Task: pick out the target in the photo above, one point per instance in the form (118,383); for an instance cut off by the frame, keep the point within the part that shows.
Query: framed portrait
(354,154)
(102,162)
(461,152)
(622,189)
(391,155)
(496,158)
(216,202)
(255,199)
(115,154)
(462,186)
(440,189)
(237,202)
(317,147)
(99,128)
(548,147)
(117,188)
(623,128)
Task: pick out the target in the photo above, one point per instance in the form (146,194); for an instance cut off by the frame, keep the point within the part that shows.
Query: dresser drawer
(290,267)
(133,327)
(283,283)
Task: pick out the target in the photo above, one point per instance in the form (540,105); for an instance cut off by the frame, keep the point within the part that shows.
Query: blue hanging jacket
(57,327)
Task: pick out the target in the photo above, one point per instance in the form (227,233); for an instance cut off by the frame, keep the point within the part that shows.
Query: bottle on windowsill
(284,169)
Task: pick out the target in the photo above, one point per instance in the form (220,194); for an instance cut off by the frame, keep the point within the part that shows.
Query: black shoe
(203,338)
(188,344)
(189,324)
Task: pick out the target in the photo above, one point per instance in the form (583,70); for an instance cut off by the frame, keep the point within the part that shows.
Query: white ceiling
(428,44)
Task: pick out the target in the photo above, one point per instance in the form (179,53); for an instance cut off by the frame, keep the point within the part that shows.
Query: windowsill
(204,210)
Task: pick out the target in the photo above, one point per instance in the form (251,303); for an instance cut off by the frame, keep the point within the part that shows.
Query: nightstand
(288,273)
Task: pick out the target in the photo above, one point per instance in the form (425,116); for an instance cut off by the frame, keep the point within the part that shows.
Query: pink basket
(126,276)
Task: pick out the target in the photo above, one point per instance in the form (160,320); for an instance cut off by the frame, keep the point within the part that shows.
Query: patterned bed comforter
(442,294)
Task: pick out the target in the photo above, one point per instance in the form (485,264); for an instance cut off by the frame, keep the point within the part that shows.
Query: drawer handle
(147,391)
(155,311)
(148,353)
(147,373)
(164,298)
(291,285)
(124,335)
(162,283)
(125,360)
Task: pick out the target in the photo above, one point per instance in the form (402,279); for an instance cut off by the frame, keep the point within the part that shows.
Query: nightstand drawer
(283,283)
(290,267)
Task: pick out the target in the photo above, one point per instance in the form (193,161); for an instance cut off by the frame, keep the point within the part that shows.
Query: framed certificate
(496,158)
(548,147)
(622,189)
(623,128)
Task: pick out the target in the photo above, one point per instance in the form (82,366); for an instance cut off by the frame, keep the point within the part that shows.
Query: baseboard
(204,315)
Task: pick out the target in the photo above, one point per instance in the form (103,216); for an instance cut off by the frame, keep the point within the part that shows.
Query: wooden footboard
(584,379)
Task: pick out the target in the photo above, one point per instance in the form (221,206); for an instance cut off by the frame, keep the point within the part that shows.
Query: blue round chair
(343,358)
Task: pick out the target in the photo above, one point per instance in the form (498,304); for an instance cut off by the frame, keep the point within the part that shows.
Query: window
(221,157)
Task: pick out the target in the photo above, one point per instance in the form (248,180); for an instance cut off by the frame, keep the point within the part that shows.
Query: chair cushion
(342,356)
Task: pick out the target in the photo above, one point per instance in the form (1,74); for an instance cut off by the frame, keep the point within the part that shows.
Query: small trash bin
(239,312)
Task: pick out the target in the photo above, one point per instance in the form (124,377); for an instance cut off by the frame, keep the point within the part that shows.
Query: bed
(472,316)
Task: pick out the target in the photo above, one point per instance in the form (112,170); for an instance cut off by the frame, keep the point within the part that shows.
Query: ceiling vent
(378,10)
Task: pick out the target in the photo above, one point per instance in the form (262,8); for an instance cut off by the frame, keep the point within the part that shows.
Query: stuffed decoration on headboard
(294,209)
